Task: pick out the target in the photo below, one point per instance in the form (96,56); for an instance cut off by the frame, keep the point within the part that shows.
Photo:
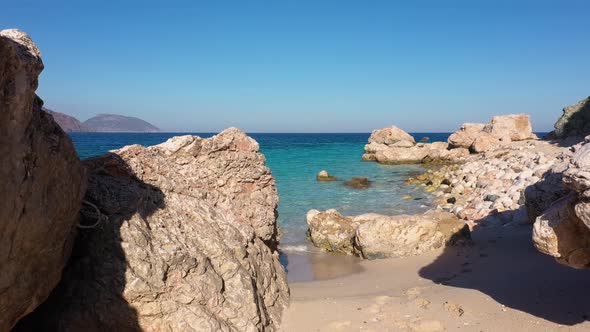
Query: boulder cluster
(394,146)
(181,236)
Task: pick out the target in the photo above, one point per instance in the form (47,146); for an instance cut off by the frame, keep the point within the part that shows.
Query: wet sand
(501,283)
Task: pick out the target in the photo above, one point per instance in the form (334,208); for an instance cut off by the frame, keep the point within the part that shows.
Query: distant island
(103,123)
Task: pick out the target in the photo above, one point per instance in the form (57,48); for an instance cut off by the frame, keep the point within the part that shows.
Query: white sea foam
(295,248)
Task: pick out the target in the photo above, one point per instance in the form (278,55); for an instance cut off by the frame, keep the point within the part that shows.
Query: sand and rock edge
(181,236)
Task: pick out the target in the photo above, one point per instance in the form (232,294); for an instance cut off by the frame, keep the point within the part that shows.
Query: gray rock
(575,120)
(42,185)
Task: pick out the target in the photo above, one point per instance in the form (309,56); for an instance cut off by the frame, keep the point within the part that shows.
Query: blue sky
(309,66)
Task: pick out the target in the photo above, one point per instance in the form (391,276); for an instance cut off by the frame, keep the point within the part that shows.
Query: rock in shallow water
(359,182)
(188,243)
(42,185)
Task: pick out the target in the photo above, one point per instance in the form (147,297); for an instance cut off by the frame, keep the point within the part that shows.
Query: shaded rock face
(69,124)
(42,185)
(373,235)
(187,243)
(575,120)
(563,231)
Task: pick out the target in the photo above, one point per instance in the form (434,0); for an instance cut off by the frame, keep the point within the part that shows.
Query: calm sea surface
(295,159)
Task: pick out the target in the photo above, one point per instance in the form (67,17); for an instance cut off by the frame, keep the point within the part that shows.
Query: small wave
(295,248)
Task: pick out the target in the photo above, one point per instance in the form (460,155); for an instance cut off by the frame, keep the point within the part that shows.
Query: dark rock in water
(451,200)
(575,120)
(119,123)
(42,185)
(425,139)
(491,198)
(185,241)
(358,183)
(446,182)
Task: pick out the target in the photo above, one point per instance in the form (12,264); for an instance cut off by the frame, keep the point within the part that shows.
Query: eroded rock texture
(563,231)
(575,120)
(42,185)
(187,244)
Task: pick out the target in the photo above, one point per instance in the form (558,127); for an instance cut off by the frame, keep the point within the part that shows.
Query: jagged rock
(379,236)
(466,135)
(517,127)
(390,136)
(42,185)
(188,243)
(575,120)
(373,235)
(325,176)
(563,231)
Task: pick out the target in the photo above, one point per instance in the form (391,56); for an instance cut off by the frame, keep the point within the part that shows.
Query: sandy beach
(500,283)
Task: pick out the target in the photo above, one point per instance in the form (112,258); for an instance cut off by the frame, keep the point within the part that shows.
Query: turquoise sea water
(294,160)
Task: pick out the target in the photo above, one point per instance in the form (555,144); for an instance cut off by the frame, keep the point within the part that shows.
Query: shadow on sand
(90,294)
(503,263)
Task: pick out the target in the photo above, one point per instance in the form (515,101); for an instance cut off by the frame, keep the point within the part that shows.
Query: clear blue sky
(310,66)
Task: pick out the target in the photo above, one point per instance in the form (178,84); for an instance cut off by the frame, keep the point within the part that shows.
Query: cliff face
(42,185)
(186,242)
(119,123)
(69,124)
(575,120)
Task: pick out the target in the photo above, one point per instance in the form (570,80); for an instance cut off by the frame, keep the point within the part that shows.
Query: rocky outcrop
(563,231)
(502,129)
(69,124)
(373,235)
(392,136)
(575,120)
(42,185)
(323,175)
(185,241)
(437,152)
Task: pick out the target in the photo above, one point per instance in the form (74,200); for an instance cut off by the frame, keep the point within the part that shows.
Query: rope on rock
(97,214)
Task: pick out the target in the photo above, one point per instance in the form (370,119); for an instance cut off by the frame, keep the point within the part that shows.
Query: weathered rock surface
(379,236)
(516,127)
(466,135)
(563,231)
(187,243)
(373,235)
(437,152)
(575,120)
(391,136)
(42,185)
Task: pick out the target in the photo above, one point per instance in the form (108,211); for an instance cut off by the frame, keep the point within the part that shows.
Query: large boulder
(575,120)
(183,239)
(437,152)
(374,235)
(391,136)
(379,236)
(466,135)
(42,185)
(516,127)
(563,230)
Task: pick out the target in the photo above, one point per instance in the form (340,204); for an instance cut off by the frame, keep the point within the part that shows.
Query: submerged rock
(42,185)
(185,241)
(359,182)
(375,236)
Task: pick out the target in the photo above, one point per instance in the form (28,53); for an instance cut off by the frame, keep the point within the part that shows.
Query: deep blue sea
(294,160)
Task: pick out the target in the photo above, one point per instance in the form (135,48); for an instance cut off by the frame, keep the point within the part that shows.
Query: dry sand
(501,283)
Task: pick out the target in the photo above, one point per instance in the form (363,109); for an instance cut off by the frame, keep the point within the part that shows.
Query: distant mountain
(119,123)
(69,124)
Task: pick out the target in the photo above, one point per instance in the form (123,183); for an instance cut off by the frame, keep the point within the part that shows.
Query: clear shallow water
(295,159)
